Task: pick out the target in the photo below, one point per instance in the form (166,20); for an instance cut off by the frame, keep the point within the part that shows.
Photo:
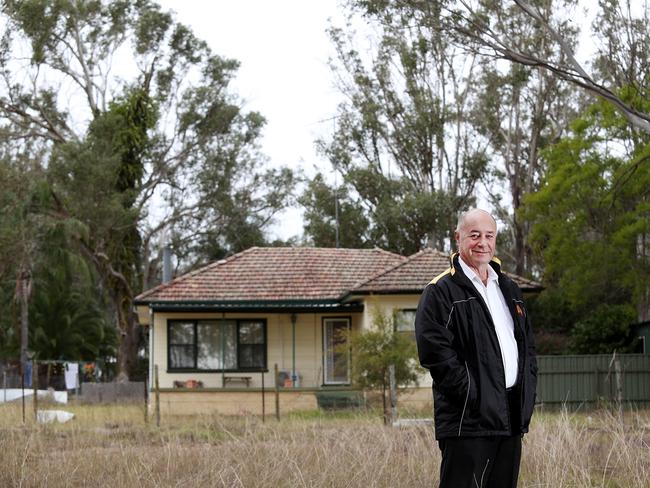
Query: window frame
(407,333)
(195,346)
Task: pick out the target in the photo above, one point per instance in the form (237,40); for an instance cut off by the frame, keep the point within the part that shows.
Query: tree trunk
(519,246)
(23,292)
(128,327)
(643,306)
(384,403)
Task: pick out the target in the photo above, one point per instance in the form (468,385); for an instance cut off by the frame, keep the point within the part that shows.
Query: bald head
(471,215)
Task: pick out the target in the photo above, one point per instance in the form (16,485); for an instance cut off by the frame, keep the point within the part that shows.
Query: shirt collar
(469,272)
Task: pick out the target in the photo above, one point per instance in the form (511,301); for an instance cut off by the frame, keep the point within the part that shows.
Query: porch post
(293,350)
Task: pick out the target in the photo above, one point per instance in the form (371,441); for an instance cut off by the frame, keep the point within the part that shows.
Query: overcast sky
(283,50)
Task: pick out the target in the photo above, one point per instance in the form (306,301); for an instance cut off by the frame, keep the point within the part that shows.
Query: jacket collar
(456,268)
(459,277)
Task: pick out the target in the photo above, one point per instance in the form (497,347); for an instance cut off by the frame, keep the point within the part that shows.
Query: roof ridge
(405,260)
(384,251)
(191,274)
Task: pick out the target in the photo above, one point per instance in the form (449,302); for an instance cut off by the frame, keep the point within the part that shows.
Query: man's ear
(457,237)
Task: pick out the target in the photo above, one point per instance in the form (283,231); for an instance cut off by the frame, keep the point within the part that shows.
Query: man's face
(477,239)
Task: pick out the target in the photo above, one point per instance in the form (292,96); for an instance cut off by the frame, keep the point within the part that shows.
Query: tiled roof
(416,271)
(412,274)
(275,274)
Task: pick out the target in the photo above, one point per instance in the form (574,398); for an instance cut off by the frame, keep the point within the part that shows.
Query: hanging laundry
(27,374)
(71,376)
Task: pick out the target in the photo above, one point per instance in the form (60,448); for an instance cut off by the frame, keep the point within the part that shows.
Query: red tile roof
(412,274)
(275,274)
(416,271)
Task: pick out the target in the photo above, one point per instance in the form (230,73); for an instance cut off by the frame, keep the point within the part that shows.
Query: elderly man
(474,336)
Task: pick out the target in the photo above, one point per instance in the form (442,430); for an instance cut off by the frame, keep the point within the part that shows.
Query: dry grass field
(111,446)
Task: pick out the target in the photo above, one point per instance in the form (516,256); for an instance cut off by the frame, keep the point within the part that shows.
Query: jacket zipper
(469,384)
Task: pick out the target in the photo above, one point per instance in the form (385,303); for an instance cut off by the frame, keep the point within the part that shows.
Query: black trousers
(481,462)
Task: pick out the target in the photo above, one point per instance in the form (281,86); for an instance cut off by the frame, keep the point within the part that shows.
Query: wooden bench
(188,384)
(237,379)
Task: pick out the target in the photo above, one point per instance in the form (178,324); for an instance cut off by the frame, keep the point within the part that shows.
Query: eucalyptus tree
(139,135)
(403,140)
(332,218)
(468,23)
(520,110)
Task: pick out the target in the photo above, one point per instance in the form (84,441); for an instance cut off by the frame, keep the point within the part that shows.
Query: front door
(336,352)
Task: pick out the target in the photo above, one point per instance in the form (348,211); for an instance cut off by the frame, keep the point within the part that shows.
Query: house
(217,333)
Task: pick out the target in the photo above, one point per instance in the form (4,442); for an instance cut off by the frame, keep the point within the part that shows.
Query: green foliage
(66,316)
(374,350)
(319,201)
(604,331)
(591,224)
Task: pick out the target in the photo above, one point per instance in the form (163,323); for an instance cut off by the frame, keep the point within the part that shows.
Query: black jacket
(458,344)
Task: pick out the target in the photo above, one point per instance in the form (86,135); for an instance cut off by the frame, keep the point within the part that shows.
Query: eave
(252,306)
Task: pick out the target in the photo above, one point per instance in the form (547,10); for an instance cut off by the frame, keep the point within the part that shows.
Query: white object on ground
(411,422)
(15,393)
(49,416)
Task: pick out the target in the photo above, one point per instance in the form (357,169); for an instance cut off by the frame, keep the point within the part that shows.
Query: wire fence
(52,374)
(60,381)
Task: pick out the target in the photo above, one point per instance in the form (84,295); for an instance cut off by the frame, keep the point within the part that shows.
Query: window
(405,322)
(215,345)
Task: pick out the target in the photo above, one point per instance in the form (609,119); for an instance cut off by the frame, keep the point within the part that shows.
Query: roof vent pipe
(167,265)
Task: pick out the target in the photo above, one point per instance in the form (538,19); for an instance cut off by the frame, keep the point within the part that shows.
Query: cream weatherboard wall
(279,338)
(387,304)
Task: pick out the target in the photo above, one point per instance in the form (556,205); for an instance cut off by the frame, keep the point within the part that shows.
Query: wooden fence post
(146,406)
(393,394)
(619,387)
(157,393)
(277,393)
(263,398)
(22,388)
(35,387)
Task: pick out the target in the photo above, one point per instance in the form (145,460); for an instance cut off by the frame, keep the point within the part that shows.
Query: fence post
(393,394)
(146,406)
(263,398)
(277,393)
(35,386)
(619,387)
(157,392)
(4,384)
(22,388)
(47,377)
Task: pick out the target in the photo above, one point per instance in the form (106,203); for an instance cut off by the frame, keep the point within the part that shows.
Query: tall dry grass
(110,446)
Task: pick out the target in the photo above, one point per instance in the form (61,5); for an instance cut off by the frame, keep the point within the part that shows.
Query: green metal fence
(591,380)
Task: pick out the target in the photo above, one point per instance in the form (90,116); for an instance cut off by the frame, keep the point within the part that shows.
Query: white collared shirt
(501,317)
